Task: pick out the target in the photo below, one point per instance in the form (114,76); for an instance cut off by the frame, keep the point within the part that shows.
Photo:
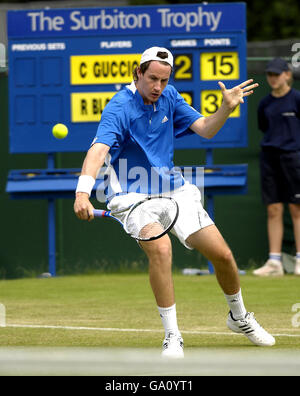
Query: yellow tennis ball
(60,131)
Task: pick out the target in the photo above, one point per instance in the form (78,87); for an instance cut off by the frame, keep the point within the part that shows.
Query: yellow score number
(183,67)
(88,106)
(219,66)
(188,97)
(211,101)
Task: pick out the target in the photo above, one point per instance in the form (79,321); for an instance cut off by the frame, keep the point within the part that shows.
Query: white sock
(298,256)
(169,319)
(236,305)
(275,257)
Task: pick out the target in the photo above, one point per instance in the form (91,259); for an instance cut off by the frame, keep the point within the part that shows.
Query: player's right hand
(83,207)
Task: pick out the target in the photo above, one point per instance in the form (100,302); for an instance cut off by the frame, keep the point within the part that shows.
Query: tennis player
(137,129)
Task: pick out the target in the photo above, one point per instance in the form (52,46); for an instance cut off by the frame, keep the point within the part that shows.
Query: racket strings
(151,218)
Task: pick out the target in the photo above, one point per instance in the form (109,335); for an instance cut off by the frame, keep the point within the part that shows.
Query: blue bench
(61,183)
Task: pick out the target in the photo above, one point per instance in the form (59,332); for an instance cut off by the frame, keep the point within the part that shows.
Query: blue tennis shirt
(141,140)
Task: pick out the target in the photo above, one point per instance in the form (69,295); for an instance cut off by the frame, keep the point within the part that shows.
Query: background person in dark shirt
(279,120)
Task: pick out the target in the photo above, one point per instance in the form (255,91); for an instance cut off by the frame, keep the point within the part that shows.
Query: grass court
(107,315)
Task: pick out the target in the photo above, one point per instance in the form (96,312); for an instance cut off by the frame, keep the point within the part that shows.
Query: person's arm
(92,164)
(208,127)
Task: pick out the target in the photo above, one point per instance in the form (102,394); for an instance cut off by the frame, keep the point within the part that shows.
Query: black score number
(225,66)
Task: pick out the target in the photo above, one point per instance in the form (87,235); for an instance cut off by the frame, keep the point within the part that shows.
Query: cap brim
(274,70)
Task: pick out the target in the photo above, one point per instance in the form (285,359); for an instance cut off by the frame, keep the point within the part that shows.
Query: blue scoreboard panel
(66,64)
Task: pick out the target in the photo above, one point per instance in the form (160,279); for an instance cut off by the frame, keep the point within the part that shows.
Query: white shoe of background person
(270,268)
(173,346)
(297,267)
(251,329)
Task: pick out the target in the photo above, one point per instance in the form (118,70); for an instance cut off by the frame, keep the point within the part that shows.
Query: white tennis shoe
(271,268)
(251,329)
(173,346)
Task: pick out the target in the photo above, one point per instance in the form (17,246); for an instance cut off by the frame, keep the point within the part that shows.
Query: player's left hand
(234,96)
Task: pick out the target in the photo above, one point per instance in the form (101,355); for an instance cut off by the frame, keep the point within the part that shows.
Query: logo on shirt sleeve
(288,114)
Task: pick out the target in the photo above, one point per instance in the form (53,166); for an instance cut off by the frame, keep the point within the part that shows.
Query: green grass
(126,301)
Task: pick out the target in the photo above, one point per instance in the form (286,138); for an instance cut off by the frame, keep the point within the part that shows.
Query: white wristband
(85,184)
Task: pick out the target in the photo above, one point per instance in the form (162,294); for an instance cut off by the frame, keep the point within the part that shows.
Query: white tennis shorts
(192,216)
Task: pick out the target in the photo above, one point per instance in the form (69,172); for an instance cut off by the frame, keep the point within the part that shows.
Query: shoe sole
(269,274)
(177,356)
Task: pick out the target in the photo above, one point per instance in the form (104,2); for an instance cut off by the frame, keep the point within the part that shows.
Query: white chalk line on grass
(196,332)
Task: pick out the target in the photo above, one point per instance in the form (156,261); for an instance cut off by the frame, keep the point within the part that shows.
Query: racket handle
(99,212)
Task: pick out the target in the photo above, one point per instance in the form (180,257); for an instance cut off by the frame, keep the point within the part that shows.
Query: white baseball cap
(151,55)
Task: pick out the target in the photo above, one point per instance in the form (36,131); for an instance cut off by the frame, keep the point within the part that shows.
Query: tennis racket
(148,219)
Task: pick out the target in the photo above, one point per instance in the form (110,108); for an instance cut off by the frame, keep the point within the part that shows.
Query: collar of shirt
(140,102)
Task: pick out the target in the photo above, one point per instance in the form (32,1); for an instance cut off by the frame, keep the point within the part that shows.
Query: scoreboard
(66,64)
